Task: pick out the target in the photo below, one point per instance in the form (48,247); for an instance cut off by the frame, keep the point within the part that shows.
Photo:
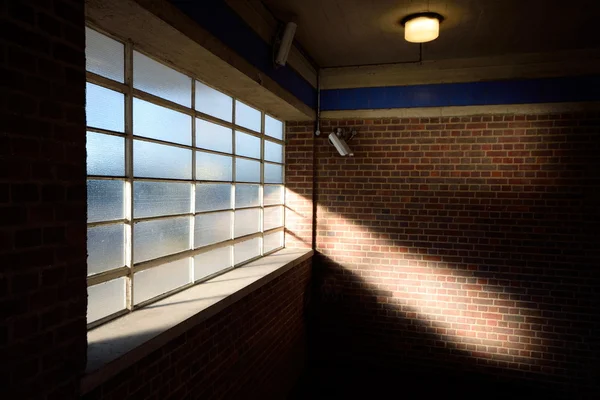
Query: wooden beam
(160,29)
(524,66)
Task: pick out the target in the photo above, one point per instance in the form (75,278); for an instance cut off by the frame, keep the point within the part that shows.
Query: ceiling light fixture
(421,27)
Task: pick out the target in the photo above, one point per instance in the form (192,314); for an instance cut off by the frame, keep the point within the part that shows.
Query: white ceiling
(361,32)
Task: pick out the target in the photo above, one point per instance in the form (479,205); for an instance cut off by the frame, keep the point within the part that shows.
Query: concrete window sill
(119,344)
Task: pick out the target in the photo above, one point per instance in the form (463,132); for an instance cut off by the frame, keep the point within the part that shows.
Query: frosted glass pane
(273,241)
(247,145)
(161,123)
(152,199)
(273,127)
(153,239)
(212,228)
(211,262)
(247,170)
(273,194)
(246,196)
(105,154)
(212,102)
(213,136)
(247,222)
(158,79)
(212,167)
(105,299)
(273,152)
(273,173)
(246,250)
(273,217)
(104,200)
(105,244)
(158,280)
(247,116)
(104,56)
(151,160)
(104,108)
(212,197)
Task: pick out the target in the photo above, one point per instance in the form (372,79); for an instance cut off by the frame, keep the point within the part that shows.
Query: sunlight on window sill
(118,344)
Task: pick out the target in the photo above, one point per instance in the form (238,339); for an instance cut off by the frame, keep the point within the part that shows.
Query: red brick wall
(42,198)
(467,243)
(299,174)
(254,349)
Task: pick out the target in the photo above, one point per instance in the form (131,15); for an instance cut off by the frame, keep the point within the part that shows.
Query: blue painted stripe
(547,90)
(222,22)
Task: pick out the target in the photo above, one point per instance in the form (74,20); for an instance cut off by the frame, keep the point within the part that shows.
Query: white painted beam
(158,28)
(433,112)
(523,66)
(264,24)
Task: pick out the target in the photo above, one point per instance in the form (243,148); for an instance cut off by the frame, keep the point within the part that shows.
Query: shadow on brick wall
(508,210)
(361,347)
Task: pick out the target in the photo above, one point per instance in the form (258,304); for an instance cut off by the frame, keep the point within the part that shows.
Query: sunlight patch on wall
(479,315)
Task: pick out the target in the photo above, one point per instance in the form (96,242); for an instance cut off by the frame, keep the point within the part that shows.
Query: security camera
(286,44)
(340,145)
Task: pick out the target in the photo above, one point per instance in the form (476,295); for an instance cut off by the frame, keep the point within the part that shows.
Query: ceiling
(363,32)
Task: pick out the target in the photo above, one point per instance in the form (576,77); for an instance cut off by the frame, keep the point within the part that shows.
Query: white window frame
(130,268)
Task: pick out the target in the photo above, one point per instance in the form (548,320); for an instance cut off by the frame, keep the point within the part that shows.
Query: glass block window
(184,181)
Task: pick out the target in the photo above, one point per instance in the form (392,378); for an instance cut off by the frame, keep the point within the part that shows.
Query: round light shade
(421,29)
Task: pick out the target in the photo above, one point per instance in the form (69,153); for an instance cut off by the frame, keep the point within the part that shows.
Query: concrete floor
(371,384)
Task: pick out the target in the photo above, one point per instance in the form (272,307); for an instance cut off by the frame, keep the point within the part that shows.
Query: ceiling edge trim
(435,112)
(523,66)
(232,33)
(189,50)
(265,25)
(525,91)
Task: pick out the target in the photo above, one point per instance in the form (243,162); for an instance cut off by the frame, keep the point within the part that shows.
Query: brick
(67,54)
(247,342)
(53,70)
(49,25)
(12,215)
(21,12)
(53,235)
(447,248)
(53,193)
(68,10)
(24,193)
(11,79)
(22,60)
(23,105)
(4,193)
(51,110)
(25,369)
(28,238)
(25,38)
(34,291)
(433,251)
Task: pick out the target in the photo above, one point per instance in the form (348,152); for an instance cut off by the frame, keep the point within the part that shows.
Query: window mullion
(129,171)
(234,179)
(193,191)
(283,181)
(262,182)
(117,78)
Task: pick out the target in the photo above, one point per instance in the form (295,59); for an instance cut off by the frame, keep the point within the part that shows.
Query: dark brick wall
(253,349)
(42,198)
(463,245)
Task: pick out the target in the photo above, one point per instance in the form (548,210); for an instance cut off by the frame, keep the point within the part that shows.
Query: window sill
(121,343)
